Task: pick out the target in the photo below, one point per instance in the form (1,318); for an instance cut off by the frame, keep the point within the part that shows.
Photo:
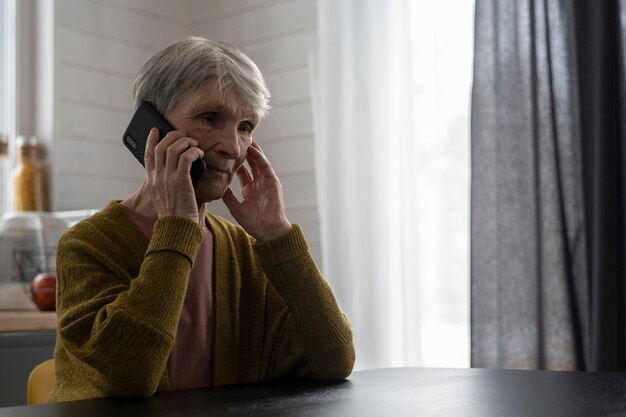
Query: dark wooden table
(383,392)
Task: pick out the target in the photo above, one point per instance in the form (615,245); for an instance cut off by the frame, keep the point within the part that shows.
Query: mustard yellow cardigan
(119,298)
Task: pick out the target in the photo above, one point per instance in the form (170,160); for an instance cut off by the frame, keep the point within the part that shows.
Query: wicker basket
(34,261)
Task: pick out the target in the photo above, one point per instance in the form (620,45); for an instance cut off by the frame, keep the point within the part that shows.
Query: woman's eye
(210,117)
(246,128)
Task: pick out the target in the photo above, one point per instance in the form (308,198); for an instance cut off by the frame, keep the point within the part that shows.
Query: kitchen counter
(27,321)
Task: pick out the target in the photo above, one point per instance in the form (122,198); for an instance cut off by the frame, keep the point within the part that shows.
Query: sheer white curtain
(391,133)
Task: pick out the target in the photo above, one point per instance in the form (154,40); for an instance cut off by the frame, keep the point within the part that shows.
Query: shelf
(26,321)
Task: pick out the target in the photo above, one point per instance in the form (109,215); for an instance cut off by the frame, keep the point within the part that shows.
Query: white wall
(101,44)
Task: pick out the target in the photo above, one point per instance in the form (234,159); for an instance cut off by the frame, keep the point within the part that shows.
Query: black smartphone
(136,135)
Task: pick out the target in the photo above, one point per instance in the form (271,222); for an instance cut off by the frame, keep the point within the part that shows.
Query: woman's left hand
(261,212)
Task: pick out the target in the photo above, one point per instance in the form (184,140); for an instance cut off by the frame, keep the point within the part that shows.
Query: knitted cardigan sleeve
(116,325)
(315,338)
(275,314)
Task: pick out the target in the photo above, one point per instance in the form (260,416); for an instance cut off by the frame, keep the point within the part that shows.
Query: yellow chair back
(40,383)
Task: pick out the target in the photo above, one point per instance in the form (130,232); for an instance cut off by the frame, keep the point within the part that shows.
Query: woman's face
(223,129)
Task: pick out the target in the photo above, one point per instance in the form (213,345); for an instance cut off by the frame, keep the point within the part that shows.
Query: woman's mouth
(222,171)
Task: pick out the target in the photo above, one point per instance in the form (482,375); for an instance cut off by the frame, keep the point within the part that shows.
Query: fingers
(230,200)
(186,159)
(255,144)
(250,157)
(160,150)
(244,176)
(260,167)
(148,158)
(176,152)
(183,146)
(259,164)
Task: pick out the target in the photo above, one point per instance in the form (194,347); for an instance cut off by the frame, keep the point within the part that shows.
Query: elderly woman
(155,293)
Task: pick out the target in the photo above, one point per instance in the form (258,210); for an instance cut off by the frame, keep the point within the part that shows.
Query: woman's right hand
(168,163)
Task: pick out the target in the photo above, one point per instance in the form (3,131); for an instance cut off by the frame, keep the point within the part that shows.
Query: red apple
(43,291)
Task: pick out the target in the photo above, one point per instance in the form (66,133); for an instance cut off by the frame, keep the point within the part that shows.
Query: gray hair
(189,62)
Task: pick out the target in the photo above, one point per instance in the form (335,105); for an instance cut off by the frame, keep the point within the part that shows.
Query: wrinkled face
(223,129)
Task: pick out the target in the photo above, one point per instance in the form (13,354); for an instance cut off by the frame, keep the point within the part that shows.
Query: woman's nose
(228,144)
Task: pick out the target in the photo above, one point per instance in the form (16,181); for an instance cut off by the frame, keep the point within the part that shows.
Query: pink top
(190,363)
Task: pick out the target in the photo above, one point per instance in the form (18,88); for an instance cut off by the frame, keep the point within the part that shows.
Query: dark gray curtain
(548,185)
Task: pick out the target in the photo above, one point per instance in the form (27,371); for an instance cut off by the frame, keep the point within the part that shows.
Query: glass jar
(5,175)
(29,181)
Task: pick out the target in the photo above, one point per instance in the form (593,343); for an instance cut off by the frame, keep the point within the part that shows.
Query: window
(7,69)
(7,91)
(442,50)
